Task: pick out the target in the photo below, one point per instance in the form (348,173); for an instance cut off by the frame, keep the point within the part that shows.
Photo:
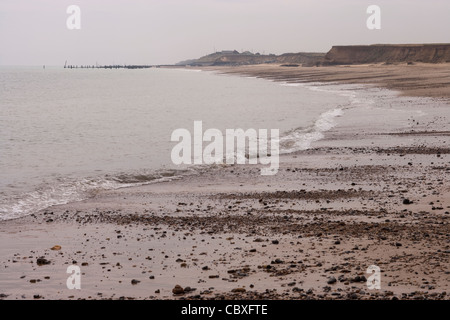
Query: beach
(373,191)
(415,79)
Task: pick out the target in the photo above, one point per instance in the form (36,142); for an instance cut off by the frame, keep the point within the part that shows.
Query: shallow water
(66,134)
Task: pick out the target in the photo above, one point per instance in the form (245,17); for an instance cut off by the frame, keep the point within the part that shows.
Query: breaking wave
(66,190)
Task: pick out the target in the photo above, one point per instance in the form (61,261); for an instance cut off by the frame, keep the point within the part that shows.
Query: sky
(34,32)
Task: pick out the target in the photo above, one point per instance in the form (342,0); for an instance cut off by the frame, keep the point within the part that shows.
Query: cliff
(338,55)
(428,53)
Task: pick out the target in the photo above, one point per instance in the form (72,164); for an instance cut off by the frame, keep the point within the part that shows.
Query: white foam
(191,70)
(287,84)
(327,120)
(68,190)
(301,139)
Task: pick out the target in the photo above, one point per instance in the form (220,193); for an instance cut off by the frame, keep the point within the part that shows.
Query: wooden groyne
(115,66)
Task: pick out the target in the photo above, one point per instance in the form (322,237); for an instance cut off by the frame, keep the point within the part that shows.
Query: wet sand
(379,197)
(418,80)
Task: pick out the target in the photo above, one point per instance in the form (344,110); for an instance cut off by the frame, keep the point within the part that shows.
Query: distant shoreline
(418,79)
(337,55)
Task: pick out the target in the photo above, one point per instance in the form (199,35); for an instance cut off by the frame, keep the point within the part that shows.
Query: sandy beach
(416,79)
(364,195)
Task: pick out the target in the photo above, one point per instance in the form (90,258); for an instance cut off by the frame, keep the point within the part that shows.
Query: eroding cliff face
(428,53)
(338,55)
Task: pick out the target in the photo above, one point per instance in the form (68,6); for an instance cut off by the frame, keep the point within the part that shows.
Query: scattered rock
(359,279)
(277,261)
(178,290)
(42,261)
(353,296)
(331,280)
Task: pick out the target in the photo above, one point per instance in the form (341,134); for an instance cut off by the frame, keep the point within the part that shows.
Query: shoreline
(416,80)
(308,232)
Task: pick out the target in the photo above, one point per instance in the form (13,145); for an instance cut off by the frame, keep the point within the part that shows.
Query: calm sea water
(65,134)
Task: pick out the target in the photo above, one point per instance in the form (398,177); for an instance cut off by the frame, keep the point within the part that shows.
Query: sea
(67,134)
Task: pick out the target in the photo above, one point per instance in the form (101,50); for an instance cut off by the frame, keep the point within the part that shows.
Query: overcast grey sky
(167,31)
